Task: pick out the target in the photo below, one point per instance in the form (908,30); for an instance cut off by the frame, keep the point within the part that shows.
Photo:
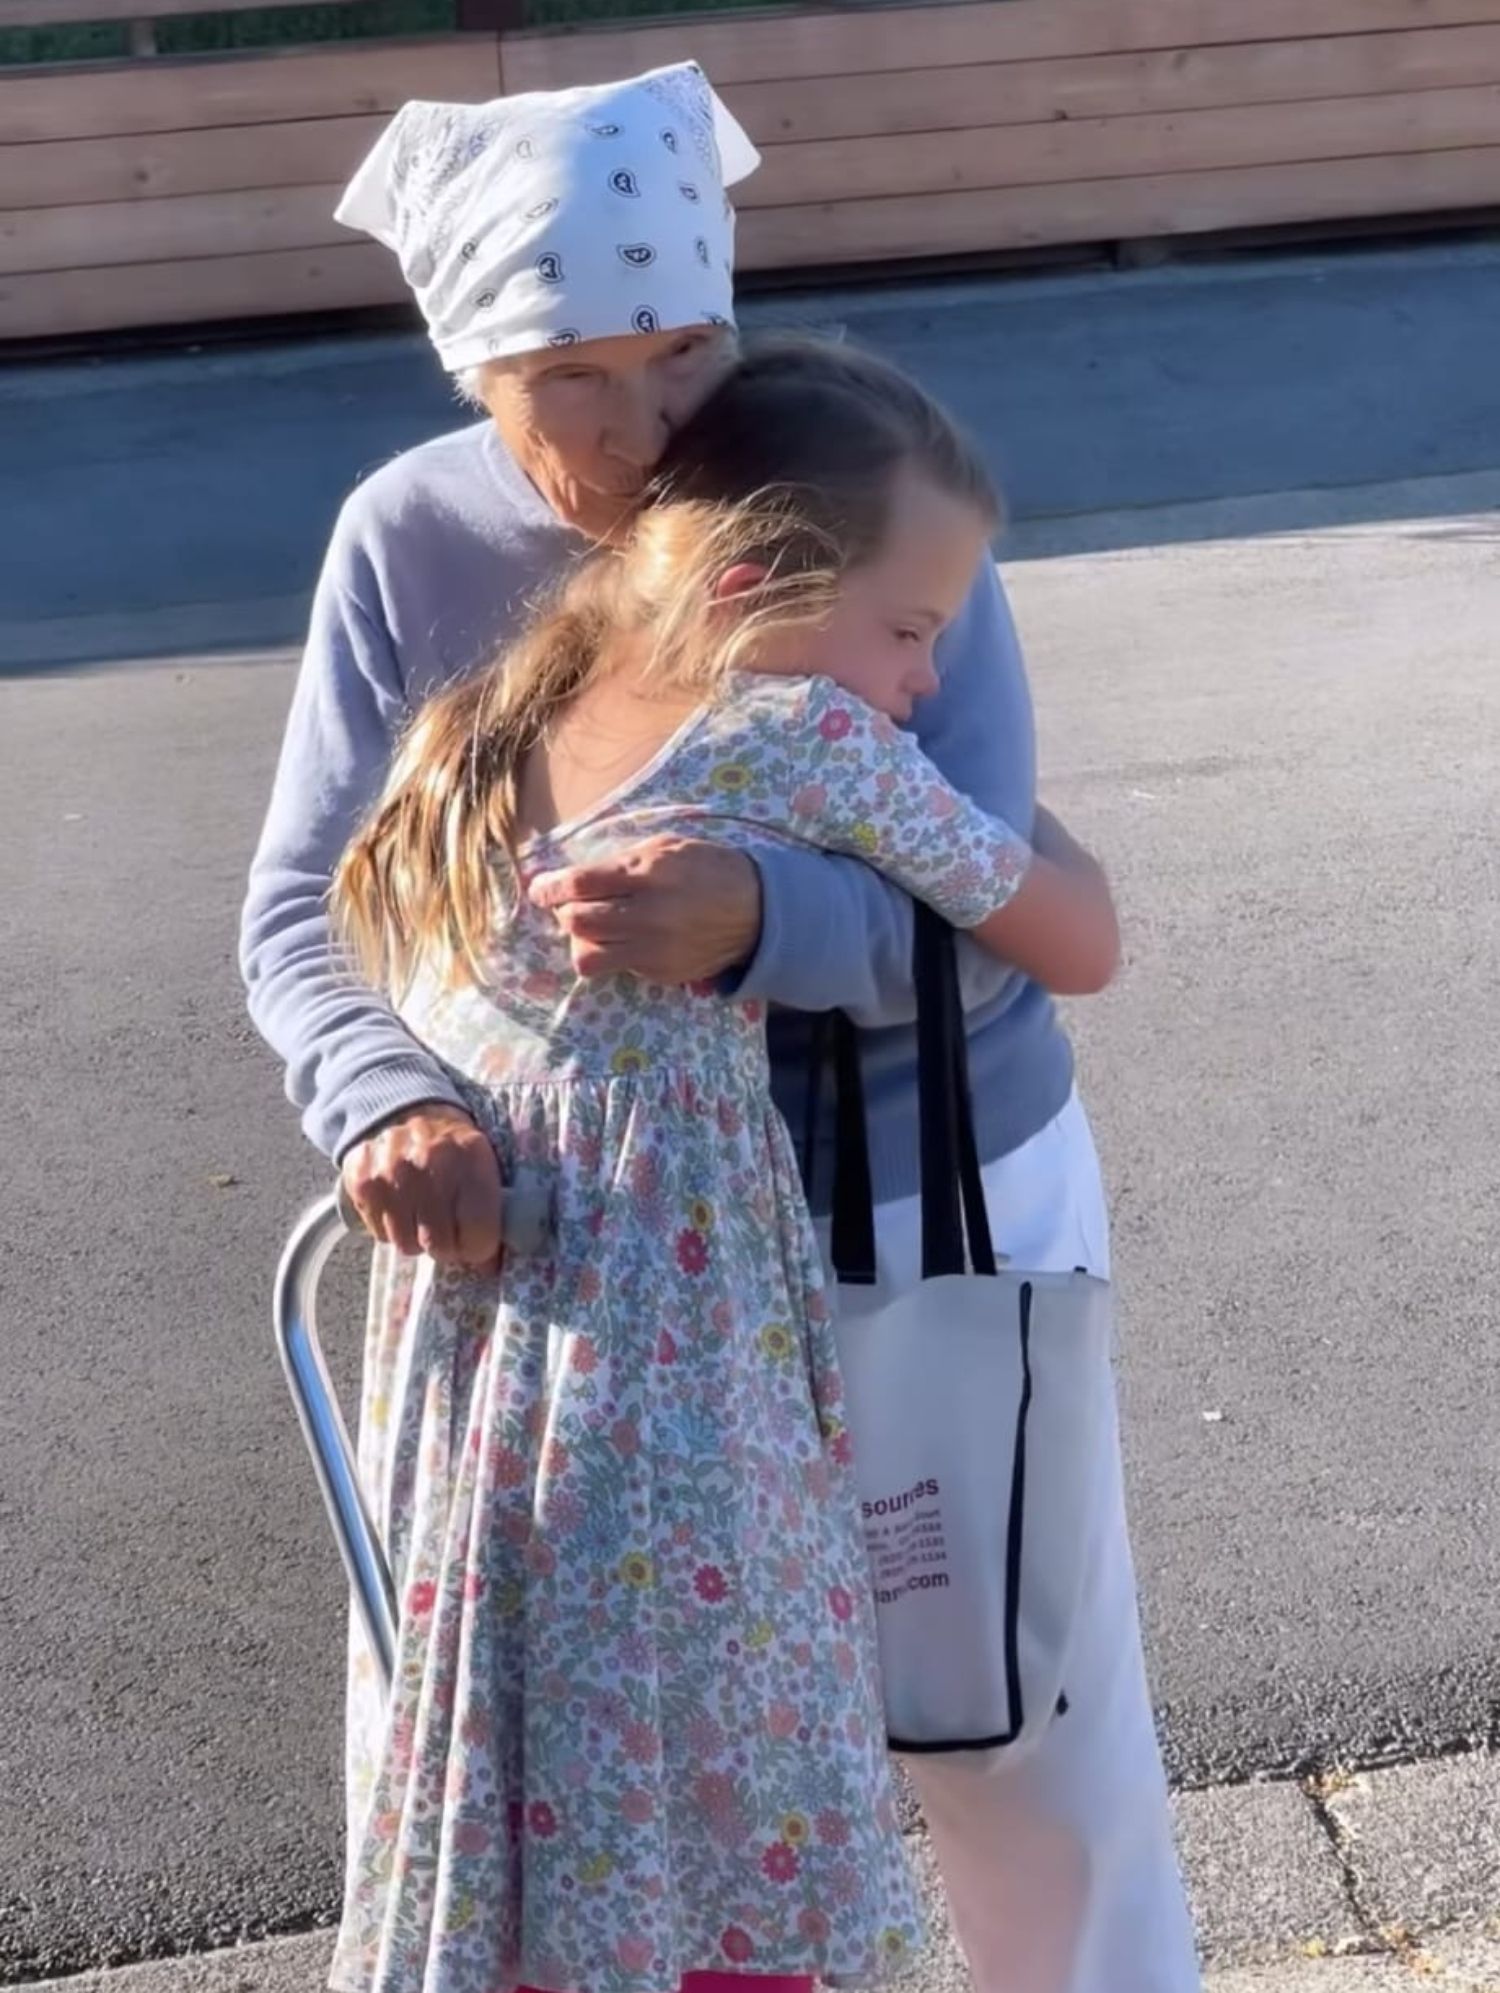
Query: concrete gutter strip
(1365,1883)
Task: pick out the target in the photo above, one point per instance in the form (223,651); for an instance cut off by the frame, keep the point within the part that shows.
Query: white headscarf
(561,216)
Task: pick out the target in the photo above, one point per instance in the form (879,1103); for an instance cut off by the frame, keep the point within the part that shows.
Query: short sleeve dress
(636,1728)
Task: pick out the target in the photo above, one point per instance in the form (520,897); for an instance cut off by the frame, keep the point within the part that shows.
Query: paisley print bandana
(565,215)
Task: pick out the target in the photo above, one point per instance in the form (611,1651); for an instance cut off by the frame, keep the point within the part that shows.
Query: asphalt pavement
(1255,563)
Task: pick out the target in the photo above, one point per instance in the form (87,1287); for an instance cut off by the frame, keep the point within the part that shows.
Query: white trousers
(1060,1870)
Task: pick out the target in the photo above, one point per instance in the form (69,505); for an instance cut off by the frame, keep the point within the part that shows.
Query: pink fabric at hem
(746,1982)
(734,1982)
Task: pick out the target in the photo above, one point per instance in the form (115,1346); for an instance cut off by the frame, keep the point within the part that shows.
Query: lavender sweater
(432,565)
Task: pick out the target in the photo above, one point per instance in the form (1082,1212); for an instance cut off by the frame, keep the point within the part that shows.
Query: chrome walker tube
(294,1307)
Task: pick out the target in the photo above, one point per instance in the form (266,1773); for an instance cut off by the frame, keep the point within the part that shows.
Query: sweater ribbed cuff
(359,1108)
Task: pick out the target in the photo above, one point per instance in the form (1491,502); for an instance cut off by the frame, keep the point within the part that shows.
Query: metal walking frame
(294,1307)
(527,1225)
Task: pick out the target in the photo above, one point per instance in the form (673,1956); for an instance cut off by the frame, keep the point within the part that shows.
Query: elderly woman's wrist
(734,922)
(801,918)
(745,935)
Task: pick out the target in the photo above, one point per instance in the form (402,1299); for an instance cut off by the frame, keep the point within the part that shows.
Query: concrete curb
(1402,1864)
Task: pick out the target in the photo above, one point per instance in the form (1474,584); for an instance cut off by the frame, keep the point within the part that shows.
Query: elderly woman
(572,255)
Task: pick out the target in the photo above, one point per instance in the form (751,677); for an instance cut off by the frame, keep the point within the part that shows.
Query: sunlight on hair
(425,882)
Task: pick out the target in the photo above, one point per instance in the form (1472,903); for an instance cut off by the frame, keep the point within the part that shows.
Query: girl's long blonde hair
(787,469)
(420,885)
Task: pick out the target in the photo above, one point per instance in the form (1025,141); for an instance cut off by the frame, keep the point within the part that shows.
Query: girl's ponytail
(418,885)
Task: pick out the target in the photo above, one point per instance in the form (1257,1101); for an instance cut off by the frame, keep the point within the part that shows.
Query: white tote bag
(977,1403)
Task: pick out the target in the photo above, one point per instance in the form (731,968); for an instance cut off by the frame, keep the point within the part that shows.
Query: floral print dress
(636,1728)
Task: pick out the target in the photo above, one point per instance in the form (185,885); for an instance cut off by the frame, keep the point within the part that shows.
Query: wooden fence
(173,191)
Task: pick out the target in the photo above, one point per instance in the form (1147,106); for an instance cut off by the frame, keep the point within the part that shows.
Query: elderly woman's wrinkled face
(587,423)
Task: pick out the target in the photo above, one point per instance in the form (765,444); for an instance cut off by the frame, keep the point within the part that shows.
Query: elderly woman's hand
(670,910)
(428,1181)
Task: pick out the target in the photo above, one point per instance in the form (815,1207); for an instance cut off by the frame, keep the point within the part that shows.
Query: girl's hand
(429,1182)
(671,910)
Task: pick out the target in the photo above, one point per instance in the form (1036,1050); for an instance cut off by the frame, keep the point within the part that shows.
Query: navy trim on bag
(1017,1512)
(955,1222)
(1014,1539)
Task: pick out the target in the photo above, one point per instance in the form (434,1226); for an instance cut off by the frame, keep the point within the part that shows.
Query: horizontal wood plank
(54,13)
(177,190)
(197,225)
(58,303)
(1125,148)
(191,93)
(767,48)
(158,165)
(795,110)
(355,274)
(1016,218)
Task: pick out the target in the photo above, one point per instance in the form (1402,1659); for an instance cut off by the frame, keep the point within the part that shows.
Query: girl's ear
(740,579)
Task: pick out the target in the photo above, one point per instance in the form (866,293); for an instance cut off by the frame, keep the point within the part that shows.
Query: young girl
(636,1730)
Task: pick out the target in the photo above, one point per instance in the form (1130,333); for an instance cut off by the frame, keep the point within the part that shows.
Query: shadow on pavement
(180,503)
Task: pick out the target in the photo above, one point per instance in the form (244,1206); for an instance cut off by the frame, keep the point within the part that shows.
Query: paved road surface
(1288,746)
